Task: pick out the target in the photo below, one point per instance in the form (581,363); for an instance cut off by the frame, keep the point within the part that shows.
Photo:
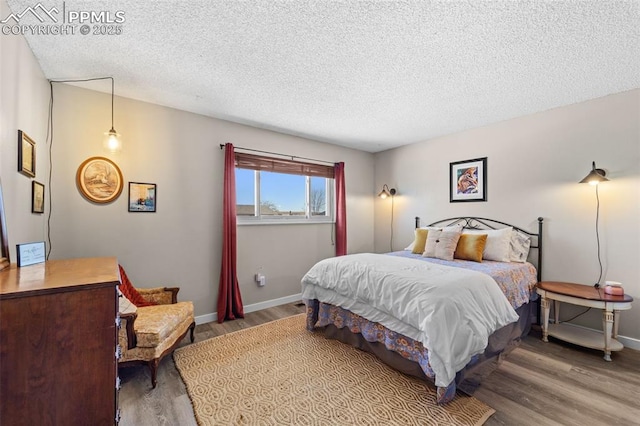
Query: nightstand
(583,295)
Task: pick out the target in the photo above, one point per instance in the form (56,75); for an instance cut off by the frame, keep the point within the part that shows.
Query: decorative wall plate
(99,180)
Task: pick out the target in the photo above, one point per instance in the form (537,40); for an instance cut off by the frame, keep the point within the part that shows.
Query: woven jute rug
(281,374)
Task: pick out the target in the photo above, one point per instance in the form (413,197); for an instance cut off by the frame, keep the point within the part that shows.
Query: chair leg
(191,330)
(153,366)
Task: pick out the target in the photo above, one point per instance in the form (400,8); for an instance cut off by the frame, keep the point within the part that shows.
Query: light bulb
(112,141)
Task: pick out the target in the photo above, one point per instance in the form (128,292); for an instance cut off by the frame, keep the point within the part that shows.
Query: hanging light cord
(391,238)
(597,285)
(112,95)
(49,138)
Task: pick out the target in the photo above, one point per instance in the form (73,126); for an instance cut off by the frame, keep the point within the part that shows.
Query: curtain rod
(282,155)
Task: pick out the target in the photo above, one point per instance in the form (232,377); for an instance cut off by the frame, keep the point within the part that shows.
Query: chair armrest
(126,329)
(160,295)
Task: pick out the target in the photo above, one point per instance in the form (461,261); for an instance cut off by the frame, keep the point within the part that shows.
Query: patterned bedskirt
(322,314)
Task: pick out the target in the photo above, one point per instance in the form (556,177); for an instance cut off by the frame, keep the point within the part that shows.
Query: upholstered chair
(154,327)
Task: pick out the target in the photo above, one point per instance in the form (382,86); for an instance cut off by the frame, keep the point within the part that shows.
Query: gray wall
(24,98)
(180,244)
(534,164)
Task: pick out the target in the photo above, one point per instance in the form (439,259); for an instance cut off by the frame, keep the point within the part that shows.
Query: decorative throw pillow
(441,244)
(430,245)
(130,292)
(410,247)
(470,247)
(520,245)
(453,228)
(124,305)
(498,245)
(420,241)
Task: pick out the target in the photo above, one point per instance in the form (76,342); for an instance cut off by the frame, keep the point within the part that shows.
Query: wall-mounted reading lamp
(386,192)
(595,177)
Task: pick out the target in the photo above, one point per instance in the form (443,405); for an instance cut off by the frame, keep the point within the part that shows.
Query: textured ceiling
(369,75)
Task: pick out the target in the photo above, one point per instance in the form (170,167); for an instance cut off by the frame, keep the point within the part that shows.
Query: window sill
(240,222)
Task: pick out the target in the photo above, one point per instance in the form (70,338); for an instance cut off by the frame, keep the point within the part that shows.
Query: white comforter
(451,311)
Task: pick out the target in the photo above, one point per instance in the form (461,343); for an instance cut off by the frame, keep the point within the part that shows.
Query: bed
(447,321)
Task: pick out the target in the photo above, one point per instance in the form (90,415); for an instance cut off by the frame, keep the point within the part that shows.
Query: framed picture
(26,154)
(468,180)
(142,197)
(37,197)
(99,180)
(31,253)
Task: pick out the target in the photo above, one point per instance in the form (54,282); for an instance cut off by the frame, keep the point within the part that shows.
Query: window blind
(280,165)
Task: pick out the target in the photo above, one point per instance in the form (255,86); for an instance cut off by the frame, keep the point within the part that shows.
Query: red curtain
(341,211)
(229,298)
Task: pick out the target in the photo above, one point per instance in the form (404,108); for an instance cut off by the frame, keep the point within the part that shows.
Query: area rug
(281,374)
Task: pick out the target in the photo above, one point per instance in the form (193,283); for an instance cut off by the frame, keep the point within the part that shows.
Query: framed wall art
(37,197)
(31,253)
(99,180)
(142,197)
(468,180)
(26,154)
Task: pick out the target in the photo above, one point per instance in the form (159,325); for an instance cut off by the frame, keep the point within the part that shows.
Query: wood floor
(538,384)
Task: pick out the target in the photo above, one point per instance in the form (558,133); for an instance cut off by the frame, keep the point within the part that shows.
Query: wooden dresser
(58,343)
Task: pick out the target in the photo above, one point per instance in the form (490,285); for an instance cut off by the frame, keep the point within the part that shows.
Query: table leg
(556,312)
(616,321)
(607,322)
(545,319)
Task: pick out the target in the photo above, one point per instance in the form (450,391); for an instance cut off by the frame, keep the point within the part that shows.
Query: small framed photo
(37,197)
(142,197)
(468,180)
(26,154)
(31,253)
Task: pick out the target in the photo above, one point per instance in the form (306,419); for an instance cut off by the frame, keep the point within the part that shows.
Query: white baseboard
(628,342)
(201,319)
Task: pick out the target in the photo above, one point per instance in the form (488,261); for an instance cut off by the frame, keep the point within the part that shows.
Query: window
(282,191)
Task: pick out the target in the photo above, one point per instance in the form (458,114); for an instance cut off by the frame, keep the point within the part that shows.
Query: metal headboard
(470,222)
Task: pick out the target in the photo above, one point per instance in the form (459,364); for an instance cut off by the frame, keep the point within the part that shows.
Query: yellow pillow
(470,247)
(421,240)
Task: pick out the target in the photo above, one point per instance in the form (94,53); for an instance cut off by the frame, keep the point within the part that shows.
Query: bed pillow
(420,240)
(498,245)
(470,247)
(411,246)
(520,245)
(441,244)
(455,228)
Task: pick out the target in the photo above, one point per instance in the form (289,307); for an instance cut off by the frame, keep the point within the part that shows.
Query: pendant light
(112,140)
